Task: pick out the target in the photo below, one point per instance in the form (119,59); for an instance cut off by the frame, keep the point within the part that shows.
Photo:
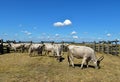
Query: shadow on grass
(84,66)
(35,55)
(61,59)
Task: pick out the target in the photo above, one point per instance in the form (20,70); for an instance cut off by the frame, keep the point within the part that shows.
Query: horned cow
(84,52)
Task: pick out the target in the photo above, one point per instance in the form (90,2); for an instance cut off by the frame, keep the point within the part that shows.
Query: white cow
(55,49)
(35,48)
(84,52)
(48,48)
(27,46)
(16,46)
(58,51)
(5,44)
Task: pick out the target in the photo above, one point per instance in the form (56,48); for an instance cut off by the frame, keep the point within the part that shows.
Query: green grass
(18,67)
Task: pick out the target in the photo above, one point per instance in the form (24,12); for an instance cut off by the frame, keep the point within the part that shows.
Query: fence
(108,47)
(1,46)
(4,48)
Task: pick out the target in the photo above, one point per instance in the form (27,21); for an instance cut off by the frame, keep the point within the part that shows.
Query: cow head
(9,45)
(40,49)
(60,58)
(65,47)
(98,62)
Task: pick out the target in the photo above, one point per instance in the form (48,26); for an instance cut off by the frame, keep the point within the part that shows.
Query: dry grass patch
(16,67)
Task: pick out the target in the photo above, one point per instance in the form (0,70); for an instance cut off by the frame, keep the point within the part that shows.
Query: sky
(60,20)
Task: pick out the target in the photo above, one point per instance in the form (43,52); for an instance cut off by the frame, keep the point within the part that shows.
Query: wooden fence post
(94,45)
(1,46)
(117,47)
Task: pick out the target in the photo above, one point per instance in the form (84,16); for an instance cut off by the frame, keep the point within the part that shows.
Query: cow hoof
(97,67)
(73,66)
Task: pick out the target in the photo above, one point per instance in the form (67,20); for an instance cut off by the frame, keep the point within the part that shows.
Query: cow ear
(101,58)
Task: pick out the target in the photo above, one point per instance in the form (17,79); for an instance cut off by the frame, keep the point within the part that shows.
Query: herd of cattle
(86,53)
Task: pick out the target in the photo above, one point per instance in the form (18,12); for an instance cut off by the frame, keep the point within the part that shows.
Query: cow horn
(101,58)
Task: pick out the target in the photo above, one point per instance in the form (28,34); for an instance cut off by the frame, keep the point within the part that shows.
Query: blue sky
(60,20)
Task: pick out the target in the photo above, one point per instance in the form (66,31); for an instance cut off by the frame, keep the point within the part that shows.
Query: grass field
(18,67)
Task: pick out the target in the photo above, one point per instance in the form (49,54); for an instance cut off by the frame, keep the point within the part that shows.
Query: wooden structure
(1,46)
(108,47)
(4,48)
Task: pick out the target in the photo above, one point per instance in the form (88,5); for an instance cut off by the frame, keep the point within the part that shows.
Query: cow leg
(68,60)
(46,52)
(71,59)
(83,61)
(14,49)
(29,51)
(54,54)
(87,61)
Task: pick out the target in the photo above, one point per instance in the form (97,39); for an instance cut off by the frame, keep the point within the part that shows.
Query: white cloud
(118,39)
(75,37)
(108,35)
(48,37)
(73,32)
(58,24)
(57,35)
(27,33)
(65,23)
